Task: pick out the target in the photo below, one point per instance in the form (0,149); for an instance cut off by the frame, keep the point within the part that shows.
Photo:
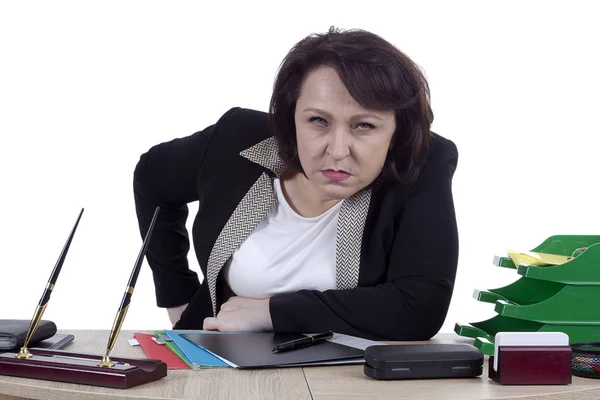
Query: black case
(14,331)
(421,361)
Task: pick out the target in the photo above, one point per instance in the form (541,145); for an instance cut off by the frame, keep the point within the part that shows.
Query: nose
(338,146)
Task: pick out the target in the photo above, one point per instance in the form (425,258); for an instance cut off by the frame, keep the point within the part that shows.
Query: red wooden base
(532,365)
(63,366)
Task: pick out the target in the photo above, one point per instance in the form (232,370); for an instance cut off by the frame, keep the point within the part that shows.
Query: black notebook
(254,350)
(56,342)
(14,331)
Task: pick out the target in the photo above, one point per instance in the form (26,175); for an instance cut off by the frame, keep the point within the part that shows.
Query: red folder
(159,351)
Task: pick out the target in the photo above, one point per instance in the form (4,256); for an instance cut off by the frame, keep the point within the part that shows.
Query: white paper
(353,341)
(133,342)
(157,341)
(221,358)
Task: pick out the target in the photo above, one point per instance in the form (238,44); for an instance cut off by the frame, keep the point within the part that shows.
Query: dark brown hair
(377,75)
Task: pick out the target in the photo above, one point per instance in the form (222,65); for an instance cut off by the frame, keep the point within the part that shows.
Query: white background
(86,87)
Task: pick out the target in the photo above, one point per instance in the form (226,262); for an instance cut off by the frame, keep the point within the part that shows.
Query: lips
(334,175)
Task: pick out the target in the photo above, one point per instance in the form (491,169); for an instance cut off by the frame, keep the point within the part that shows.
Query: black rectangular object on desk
(14,331)
(423,361)
(254,349)
(56,342)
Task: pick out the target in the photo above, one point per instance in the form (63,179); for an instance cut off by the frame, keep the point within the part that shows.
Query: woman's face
(341,145)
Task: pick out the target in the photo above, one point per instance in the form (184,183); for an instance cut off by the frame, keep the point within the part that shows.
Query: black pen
(126,300)
(39,311)
(303,342)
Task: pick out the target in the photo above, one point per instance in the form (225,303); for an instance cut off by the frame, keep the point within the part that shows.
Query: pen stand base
(532,365)
(63,366)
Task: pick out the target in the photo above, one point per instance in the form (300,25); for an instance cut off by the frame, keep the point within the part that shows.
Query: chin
(337,192)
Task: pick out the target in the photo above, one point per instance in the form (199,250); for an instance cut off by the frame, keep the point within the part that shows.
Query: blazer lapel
(247,215)
(253,207)
(351,225)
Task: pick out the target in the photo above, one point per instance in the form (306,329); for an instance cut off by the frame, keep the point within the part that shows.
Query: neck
(303,197)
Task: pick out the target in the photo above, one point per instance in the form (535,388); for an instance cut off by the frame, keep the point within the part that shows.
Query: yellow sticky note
(537,259)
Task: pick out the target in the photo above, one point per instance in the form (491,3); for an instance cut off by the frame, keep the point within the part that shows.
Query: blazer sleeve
(413,301)
(166,176)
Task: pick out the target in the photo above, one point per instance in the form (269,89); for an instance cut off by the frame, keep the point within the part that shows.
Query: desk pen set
(88,369)
(557,292)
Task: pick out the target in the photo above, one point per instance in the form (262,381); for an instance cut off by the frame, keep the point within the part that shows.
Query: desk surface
(329,382)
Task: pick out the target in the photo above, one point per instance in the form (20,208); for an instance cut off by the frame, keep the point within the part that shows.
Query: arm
(166,176)
(413,302)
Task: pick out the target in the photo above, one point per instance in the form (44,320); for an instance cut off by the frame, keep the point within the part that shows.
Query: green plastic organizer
(559,298)
(522,292)
(563,245)
(583,270)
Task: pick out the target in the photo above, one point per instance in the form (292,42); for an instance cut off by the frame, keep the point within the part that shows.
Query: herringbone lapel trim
(247,215)
(265,153)
(351,225)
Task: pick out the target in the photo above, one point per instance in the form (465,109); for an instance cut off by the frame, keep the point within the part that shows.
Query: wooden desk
(332,382)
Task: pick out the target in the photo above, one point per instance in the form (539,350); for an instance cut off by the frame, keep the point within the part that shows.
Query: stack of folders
(207,349)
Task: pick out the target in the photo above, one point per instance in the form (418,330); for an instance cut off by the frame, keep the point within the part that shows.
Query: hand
(241,314)
(175,313)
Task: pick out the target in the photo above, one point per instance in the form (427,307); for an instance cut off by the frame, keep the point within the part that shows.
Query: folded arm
(412,304)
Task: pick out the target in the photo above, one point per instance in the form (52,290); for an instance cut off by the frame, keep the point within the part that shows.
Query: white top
(285,253)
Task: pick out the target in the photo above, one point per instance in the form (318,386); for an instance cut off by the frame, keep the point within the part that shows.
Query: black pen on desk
(303,342)
(39,311)
(126,300)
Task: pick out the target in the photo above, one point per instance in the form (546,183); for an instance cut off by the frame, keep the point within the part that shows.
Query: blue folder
(196,356)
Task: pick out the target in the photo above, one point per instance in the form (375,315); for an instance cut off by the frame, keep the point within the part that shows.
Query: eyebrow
(357,116)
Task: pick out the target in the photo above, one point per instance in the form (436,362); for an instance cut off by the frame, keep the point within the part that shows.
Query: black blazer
(396,251)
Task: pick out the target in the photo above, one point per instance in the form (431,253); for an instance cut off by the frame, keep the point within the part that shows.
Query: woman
(334,211)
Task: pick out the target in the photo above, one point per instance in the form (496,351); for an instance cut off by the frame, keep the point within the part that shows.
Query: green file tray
(521,292)
(485,346)
(563,245)
(572,305)
(498,323)
(545,302)
(484,332)
(581,270)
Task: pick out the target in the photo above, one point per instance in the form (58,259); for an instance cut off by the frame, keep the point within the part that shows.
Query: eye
(318,121)
(365,126)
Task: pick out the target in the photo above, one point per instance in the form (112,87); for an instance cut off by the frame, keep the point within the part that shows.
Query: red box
(532,365)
